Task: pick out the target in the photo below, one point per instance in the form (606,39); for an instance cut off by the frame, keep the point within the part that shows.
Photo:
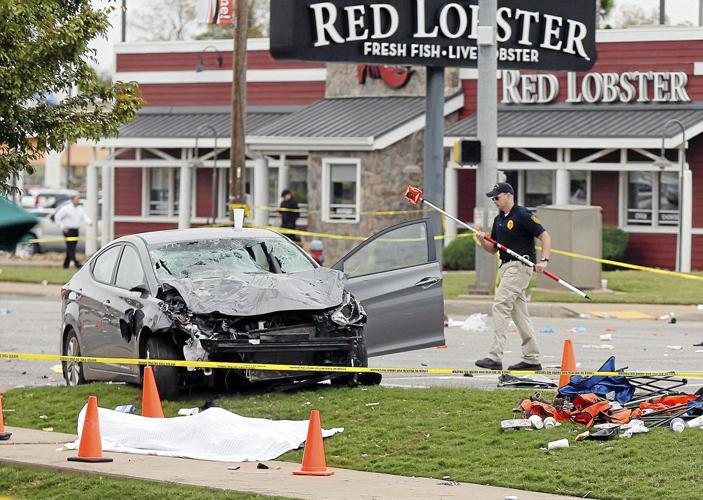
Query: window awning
(588,126)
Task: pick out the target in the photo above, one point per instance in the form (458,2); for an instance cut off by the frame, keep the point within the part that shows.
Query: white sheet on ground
(213,434)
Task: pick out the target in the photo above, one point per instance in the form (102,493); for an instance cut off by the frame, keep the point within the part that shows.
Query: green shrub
(459,255)
(614,245)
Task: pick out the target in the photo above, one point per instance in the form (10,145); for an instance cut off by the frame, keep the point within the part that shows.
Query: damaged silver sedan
(252,296)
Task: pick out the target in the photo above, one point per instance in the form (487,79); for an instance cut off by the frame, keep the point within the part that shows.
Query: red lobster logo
(394,76)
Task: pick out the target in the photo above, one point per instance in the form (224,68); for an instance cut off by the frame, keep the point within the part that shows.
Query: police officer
(516,228)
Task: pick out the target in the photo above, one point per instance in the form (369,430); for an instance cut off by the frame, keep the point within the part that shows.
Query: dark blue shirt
(517,230)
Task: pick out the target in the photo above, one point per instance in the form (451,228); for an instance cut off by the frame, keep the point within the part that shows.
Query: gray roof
(183,121)
(347,117)
(587,121)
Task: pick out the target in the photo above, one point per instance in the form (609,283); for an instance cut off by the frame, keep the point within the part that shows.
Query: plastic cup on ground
(536,421)
(561,443)
(677,425)
(550,423)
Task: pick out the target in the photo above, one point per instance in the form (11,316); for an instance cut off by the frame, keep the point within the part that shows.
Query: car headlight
(349,311)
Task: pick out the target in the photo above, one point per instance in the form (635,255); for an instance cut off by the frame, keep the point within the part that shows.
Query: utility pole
(124,21)
(239,90)
(662,12)
(487,126)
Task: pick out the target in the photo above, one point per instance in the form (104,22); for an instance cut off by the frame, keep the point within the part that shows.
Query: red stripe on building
(211,94)
(128,191)
(604,194)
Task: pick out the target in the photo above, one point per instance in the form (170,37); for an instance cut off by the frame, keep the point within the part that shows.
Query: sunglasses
(497,197)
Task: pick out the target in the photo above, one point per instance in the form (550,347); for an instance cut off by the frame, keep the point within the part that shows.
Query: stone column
(184,195)
(283,175)
(91,198)
(107,203)
(261,191)
(451,201)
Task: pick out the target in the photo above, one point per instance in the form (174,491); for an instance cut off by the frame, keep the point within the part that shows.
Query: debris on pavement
(538,381)
(577,329)
(548,329)
(476,323)
(599,346)
(674,347)
(606,336)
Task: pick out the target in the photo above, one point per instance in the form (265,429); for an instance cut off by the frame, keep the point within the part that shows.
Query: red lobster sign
(394,76)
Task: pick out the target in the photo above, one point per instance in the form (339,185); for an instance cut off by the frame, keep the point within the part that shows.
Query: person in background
(516,228)
(69,218)
(289,211)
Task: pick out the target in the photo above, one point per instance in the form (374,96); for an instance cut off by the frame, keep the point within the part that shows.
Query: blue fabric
(600,385)
(696,406)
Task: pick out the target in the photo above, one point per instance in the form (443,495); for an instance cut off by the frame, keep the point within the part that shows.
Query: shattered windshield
(225,257)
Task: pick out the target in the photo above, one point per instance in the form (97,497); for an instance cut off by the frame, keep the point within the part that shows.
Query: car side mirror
(142,289)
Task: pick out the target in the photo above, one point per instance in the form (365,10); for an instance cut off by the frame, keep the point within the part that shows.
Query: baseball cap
(501,187)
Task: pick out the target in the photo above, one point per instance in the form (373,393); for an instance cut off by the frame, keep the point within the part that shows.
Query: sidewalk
(41,449)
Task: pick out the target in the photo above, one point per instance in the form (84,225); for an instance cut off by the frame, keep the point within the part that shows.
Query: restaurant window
(578,187)
(163,188)
(538,187)
(340,192)
(646,209)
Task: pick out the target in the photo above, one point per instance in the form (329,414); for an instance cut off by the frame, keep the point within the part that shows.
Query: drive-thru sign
(531,34)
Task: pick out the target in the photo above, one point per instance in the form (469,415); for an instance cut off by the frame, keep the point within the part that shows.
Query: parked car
(47,229)
(249,295)
(48,198)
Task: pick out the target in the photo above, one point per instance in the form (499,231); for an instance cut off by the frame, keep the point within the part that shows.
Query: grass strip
(440,433)
(624,287)
(31,482)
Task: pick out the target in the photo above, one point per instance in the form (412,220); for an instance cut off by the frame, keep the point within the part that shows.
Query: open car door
(397,278)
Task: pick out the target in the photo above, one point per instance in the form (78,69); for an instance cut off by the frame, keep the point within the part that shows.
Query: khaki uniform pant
(511,303)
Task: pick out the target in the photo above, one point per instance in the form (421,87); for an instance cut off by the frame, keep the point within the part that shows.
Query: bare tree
(637,16)
(165,20)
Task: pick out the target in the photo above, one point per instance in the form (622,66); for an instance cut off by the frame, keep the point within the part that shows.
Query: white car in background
(44,204)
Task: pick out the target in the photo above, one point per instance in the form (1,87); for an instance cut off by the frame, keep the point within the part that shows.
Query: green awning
(15,222)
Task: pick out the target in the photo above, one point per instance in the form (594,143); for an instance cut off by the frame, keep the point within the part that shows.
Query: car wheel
(166,376)
(362,358)
(72,370)
(26,249)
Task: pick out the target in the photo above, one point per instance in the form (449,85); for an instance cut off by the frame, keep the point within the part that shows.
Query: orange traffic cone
(4,436)
(151,403)
(568,363)
(90,448)
(314,463)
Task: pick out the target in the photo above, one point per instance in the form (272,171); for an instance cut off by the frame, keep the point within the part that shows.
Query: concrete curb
(540,310)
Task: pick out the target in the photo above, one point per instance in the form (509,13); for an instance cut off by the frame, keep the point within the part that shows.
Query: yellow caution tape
(374,213)
(338,369)
(629,266)
(58,238)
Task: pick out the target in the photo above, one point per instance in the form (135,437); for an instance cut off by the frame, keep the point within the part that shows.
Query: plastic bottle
(696,422)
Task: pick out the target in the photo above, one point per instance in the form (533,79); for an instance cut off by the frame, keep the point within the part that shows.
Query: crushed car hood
(254,294)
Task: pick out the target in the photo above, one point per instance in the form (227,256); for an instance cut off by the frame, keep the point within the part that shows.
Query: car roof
(51,191)
(200,233)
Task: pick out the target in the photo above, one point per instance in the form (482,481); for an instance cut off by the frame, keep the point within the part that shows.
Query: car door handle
(427,282)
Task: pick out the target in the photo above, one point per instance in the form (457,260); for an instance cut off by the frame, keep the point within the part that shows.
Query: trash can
(576,229)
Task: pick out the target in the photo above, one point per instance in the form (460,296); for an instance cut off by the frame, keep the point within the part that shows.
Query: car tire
(166,376)
(25,249)
(354,379)
(72,370)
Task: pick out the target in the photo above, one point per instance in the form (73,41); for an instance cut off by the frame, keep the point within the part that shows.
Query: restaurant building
(347,139)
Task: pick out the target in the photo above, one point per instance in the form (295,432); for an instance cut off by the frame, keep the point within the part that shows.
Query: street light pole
(663,162)
(239,84)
